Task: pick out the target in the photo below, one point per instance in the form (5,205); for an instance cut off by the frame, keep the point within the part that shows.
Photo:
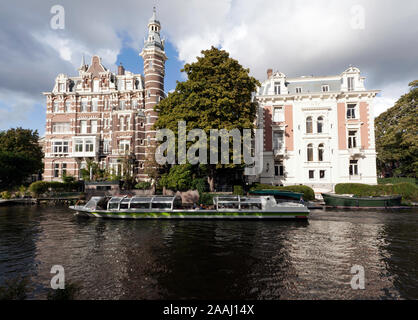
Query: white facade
(318,131)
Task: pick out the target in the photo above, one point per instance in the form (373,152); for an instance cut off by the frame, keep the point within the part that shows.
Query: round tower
(154,59)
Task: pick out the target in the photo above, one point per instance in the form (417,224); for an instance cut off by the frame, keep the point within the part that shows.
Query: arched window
(320,125)
(321,152)
(310,152)
(309,125)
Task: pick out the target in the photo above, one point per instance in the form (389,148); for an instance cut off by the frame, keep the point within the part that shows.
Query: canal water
(130,259)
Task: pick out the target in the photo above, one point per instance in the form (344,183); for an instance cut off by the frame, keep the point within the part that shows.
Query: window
(277,88)
(322,174)
(311,174)
(64,169)
(351,111)
(56,106)
(298,90)
(78,145)
(325,88)
(121,124)
(62,87)
(67,106)
(321,152)
(148,119)
(61,127)
(353,169)
(278,115)
(83,105)
(121,84)
(60,147)
(279,170)
(56,170)
(149,93)
(93,126)
(96,85)
(134,104)
(352,139)
(122,104)
(89,146)
(320,124)
(350,83)
(309,125)
(128,123)
(106,146)
(94,105)
(278,139)
(124,146)
(310,152)
(83,126)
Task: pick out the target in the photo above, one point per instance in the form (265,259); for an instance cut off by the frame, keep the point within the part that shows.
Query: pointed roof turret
(154,28)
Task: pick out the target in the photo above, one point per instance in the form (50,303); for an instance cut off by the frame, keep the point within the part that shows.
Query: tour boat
(349,201)
(169,207)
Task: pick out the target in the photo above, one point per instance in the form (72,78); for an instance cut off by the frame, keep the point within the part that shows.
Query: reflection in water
(130,259)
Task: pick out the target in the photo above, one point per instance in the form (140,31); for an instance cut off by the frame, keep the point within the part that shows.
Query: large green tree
(216,95)
(20,156)
(397,136)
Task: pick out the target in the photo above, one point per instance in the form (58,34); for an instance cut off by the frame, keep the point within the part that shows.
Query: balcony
(358,151)
(279,151)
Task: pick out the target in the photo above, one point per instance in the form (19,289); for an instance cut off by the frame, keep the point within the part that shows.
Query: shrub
(39,187)
(396,180)
(143,185)
(408,191)
(200,185)
(6,195)
(308,193)
(207,198)
(238,190)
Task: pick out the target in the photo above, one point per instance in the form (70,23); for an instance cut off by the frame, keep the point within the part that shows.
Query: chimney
(269,73)
(121,70)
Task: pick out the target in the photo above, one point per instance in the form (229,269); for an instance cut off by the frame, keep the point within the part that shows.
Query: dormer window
(350,83)
(62,87)
(277,88)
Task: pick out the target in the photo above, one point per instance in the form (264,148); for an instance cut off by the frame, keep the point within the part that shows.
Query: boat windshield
(154,202)
(93,203)
(114,203)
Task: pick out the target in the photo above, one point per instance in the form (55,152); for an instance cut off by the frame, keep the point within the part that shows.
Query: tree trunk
(211,179)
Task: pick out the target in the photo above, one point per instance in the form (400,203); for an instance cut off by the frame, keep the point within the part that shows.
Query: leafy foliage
(397,136)
(408,191)
(179,178)
(143,185)
(308,193)
(217,95)
(42,187)
(20,156)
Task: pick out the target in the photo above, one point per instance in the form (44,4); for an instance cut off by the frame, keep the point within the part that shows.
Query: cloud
(296,37)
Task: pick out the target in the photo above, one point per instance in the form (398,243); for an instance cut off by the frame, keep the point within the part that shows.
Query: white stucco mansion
(318,131)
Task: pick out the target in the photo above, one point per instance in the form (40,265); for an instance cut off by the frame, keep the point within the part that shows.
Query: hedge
(41,187)
(408,191)
(238,191)
(308,193)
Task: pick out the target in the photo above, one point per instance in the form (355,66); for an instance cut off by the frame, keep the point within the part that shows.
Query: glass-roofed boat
(170,207)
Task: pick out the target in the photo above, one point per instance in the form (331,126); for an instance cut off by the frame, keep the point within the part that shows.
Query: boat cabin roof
(142,199)
(237,199)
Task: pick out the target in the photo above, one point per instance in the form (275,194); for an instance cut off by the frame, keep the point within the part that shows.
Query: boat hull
(361,202)
(193,214)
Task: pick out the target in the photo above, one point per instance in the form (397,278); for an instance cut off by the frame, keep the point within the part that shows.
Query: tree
(217,95)
(180,178)
(20,156)
(397,136)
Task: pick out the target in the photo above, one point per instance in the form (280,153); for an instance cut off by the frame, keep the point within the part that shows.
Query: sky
(296,37)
